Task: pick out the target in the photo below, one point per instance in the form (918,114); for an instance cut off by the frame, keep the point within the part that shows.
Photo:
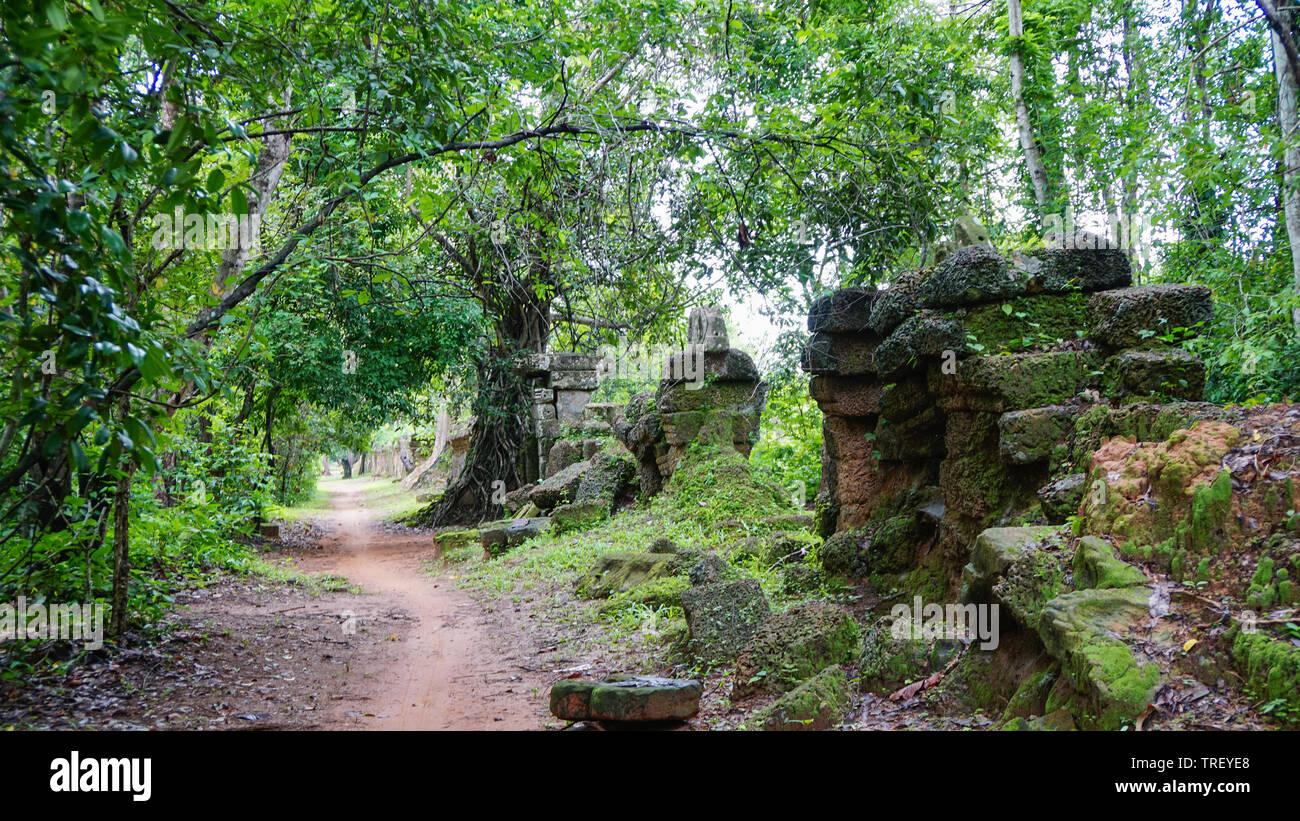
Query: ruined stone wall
(562,384)
(709,390)
(950,397)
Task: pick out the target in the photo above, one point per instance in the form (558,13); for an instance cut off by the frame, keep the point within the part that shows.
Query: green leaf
(55,13)
(78,456)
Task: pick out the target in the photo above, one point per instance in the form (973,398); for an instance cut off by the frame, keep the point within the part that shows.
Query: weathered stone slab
(569,406)
(722,617)
(791,647)
(1031,435)
(499,537)
(626,698)
(574,381)
(574,362)
(620,571)
(845,311)
(1129,317)
(705,326)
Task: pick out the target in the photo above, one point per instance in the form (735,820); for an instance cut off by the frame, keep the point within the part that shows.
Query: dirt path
(449,672)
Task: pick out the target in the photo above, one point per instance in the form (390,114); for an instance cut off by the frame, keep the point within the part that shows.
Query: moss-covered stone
(620,571)
(926,334)
(1166,496)
(1080,629)
(1017,381)
(817,704)
(1271,666)
(1058,720)
(707,396)
(995,551)
(1035,434)
(1034,578)
(1031,697)
(661,592)
(1026,322)
(1096,567)
(1132,317)
(887,545)
(499,537)
(790,647)
(577,516)
(722,617)
(888,661)
(626,699)
(1168,374)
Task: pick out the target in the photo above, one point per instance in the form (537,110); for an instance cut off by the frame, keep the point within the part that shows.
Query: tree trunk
(1288,119)
(500,428)
(1033,158)
(121,542)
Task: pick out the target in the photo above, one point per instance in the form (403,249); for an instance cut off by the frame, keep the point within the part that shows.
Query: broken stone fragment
(626,698)
(499,537)
(620,571)
(706,327)
(1136,317)
(845,311)
(970,276)
(789,648)
(1060,499)
(817,704)
(721,617)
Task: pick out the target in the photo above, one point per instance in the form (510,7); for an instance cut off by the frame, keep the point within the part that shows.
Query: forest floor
(365,626)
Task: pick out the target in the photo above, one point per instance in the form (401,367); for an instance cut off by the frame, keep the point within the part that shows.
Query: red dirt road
(450,672)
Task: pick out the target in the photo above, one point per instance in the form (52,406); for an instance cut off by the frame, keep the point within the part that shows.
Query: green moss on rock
(790,647)
(817,704)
